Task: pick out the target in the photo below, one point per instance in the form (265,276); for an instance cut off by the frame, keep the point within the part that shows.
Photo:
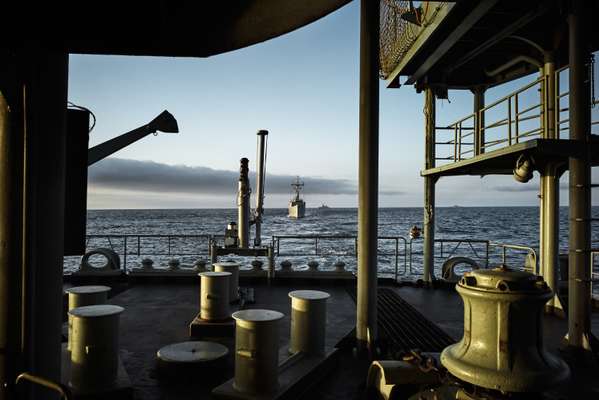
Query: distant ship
(323,208)
(297,206)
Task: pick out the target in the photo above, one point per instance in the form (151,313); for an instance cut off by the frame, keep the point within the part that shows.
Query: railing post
(516,117)
(509,121)
(396,257)
(125,253)
(479,119)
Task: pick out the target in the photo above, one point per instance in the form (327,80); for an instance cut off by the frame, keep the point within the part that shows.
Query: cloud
(149,176)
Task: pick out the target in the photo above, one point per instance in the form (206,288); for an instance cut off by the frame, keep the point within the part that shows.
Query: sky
(303,88)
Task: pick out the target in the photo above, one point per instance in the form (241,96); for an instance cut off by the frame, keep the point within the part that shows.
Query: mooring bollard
(286,266)
(233,268)
(308,321)
(80,296)
(214,295)
(257,265)
(94,353)
(313,265)
(256,351)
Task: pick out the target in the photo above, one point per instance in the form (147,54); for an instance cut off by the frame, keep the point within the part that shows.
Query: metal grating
(404,328)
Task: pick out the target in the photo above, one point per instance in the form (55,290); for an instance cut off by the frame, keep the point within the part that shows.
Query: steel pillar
(428,246)
(579,304)
(549,191)
(479,119)
(11,149)
(549,231)
(33,185)
(366,324)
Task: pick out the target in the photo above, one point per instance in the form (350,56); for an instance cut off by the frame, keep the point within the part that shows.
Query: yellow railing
(502,123)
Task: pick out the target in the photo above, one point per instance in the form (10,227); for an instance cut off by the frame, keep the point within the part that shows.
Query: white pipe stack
(308,321)
(94,347)
(80,296)
(214,295)
(256,351)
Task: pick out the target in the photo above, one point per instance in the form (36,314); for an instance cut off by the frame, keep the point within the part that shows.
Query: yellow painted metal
(429,187)
(502,348)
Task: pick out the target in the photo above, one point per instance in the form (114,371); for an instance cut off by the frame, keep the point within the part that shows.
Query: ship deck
(158,314)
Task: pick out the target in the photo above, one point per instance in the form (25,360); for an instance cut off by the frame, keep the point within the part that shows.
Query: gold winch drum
(502,346)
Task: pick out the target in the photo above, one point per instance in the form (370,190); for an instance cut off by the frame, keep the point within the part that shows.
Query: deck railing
(153,245)
(518,117)
(507,121)
(402,252)
(399,249)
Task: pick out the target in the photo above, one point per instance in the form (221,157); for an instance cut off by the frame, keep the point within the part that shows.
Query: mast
(297,187)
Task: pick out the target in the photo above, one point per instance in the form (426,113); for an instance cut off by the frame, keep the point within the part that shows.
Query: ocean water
(507,225)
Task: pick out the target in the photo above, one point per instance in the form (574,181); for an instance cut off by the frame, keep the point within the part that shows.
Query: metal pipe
(243,205)
(366,323)
(549,243)
(579,305)
(549,188)
(428,247)
(260,176)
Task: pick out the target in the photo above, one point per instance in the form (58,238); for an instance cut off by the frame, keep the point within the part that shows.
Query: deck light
(524,168)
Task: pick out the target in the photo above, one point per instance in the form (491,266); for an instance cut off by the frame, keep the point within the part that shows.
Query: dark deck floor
(159,314)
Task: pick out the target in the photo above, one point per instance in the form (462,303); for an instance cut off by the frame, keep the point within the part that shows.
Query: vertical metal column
(549,243)
(10,245)
(428,246)
(45,149)
(243,205)
(366,324)
(579,305)
(549,189)
(479,119)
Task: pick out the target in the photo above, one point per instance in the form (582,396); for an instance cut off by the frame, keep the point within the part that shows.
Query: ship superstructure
(297,206)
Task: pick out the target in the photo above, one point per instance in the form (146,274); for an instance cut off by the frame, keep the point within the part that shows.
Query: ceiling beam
(505,32)
(468,22)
